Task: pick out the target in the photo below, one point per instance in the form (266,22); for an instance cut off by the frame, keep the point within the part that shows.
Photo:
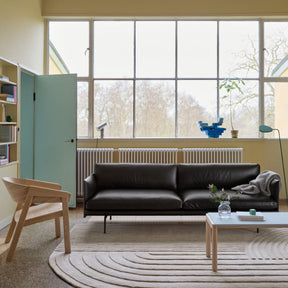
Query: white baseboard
(5,222)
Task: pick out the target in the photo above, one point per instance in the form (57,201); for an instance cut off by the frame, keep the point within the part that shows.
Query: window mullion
(134,83)
(91,81)
(261,75)
(176,79)
(218,71)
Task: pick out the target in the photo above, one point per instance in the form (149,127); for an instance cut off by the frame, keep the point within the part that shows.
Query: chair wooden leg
(66,228)
(14,242)
(12,224)
(18,229)
(10,231)
(57,227)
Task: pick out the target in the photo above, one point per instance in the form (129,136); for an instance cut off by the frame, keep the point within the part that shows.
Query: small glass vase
(224,209)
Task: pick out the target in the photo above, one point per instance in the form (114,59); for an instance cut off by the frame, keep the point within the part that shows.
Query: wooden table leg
(208,240)
(214,248)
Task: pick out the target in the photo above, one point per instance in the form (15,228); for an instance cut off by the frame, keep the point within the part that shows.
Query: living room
(25,41)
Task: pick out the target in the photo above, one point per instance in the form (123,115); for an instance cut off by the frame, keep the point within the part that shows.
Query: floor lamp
(267,129)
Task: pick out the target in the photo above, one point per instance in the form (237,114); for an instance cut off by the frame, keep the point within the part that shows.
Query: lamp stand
(282,164)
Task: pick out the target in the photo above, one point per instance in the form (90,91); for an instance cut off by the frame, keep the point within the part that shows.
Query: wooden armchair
(53,203)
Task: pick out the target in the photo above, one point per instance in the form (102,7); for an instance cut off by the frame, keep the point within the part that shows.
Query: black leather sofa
(164,189)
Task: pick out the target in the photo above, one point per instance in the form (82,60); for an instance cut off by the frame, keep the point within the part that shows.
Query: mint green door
(27,126)
(55,131)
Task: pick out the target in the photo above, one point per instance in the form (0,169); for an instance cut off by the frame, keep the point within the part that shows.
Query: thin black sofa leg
(105,218)
(257,230)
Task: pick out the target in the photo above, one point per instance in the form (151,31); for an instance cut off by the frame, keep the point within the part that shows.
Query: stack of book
(9,93)
(246,216)
(4,154)
(4,78)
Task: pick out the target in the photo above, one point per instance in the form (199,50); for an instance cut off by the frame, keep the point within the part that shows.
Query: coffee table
(214,222)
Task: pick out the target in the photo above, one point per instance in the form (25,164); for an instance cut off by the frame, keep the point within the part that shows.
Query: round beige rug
(166,255)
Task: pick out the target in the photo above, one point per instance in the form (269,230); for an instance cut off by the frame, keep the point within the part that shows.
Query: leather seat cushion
(135,199)
(199,200)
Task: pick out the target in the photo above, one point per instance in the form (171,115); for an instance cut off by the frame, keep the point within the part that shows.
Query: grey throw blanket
(259,185)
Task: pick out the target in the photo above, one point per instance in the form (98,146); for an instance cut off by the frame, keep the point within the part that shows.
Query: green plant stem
(231,112)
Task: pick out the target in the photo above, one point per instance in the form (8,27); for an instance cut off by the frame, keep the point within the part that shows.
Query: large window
(159,78)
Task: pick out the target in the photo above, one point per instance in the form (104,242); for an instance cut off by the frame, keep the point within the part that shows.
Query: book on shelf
(3,113)
(7,97)
(4,154)
(8,133)
(4,77)
(10,90)
(246,216)
(4,161)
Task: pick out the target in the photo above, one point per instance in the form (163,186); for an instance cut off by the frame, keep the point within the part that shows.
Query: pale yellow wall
(164,8)
(22,33)
(281,104)
(22,42)
(53,68)
(262,151)
(7,206)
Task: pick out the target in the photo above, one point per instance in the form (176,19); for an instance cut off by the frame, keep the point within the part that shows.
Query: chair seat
(40,210)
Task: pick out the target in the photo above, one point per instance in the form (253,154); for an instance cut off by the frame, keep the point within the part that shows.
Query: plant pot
(234,133)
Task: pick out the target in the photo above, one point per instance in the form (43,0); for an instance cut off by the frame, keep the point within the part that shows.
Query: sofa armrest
(275,188)
(90,187)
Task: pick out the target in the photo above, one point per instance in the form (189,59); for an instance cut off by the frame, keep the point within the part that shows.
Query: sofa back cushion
(135,176)
(199,176)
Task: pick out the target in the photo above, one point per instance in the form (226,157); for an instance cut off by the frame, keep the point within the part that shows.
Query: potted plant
(230,85)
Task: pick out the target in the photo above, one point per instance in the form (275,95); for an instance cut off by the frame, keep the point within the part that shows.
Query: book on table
(246,216)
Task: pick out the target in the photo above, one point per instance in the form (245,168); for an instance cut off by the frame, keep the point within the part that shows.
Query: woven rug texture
(170,254)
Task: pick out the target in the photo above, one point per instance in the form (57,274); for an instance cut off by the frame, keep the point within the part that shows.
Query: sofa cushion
(135,176)
(131,199)
(200,200)
(199,176)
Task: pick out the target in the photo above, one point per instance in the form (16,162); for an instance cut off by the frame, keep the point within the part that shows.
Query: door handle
(71,140)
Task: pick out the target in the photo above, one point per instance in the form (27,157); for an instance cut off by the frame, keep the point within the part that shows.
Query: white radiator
(86,159)
(148,155)
(212,155)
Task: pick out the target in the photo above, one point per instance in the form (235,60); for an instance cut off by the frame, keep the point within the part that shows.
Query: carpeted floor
(151,254)
(30,268)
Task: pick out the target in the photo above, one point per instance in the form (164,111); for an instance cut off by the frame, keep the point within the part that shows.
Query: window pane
(155,108)
(68,43)
(276,103)
(113,45)
(239,49)
(197,49)
(197,101)
(113,103)
(276,49)
(82,109)
(243,108)
(155,49)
